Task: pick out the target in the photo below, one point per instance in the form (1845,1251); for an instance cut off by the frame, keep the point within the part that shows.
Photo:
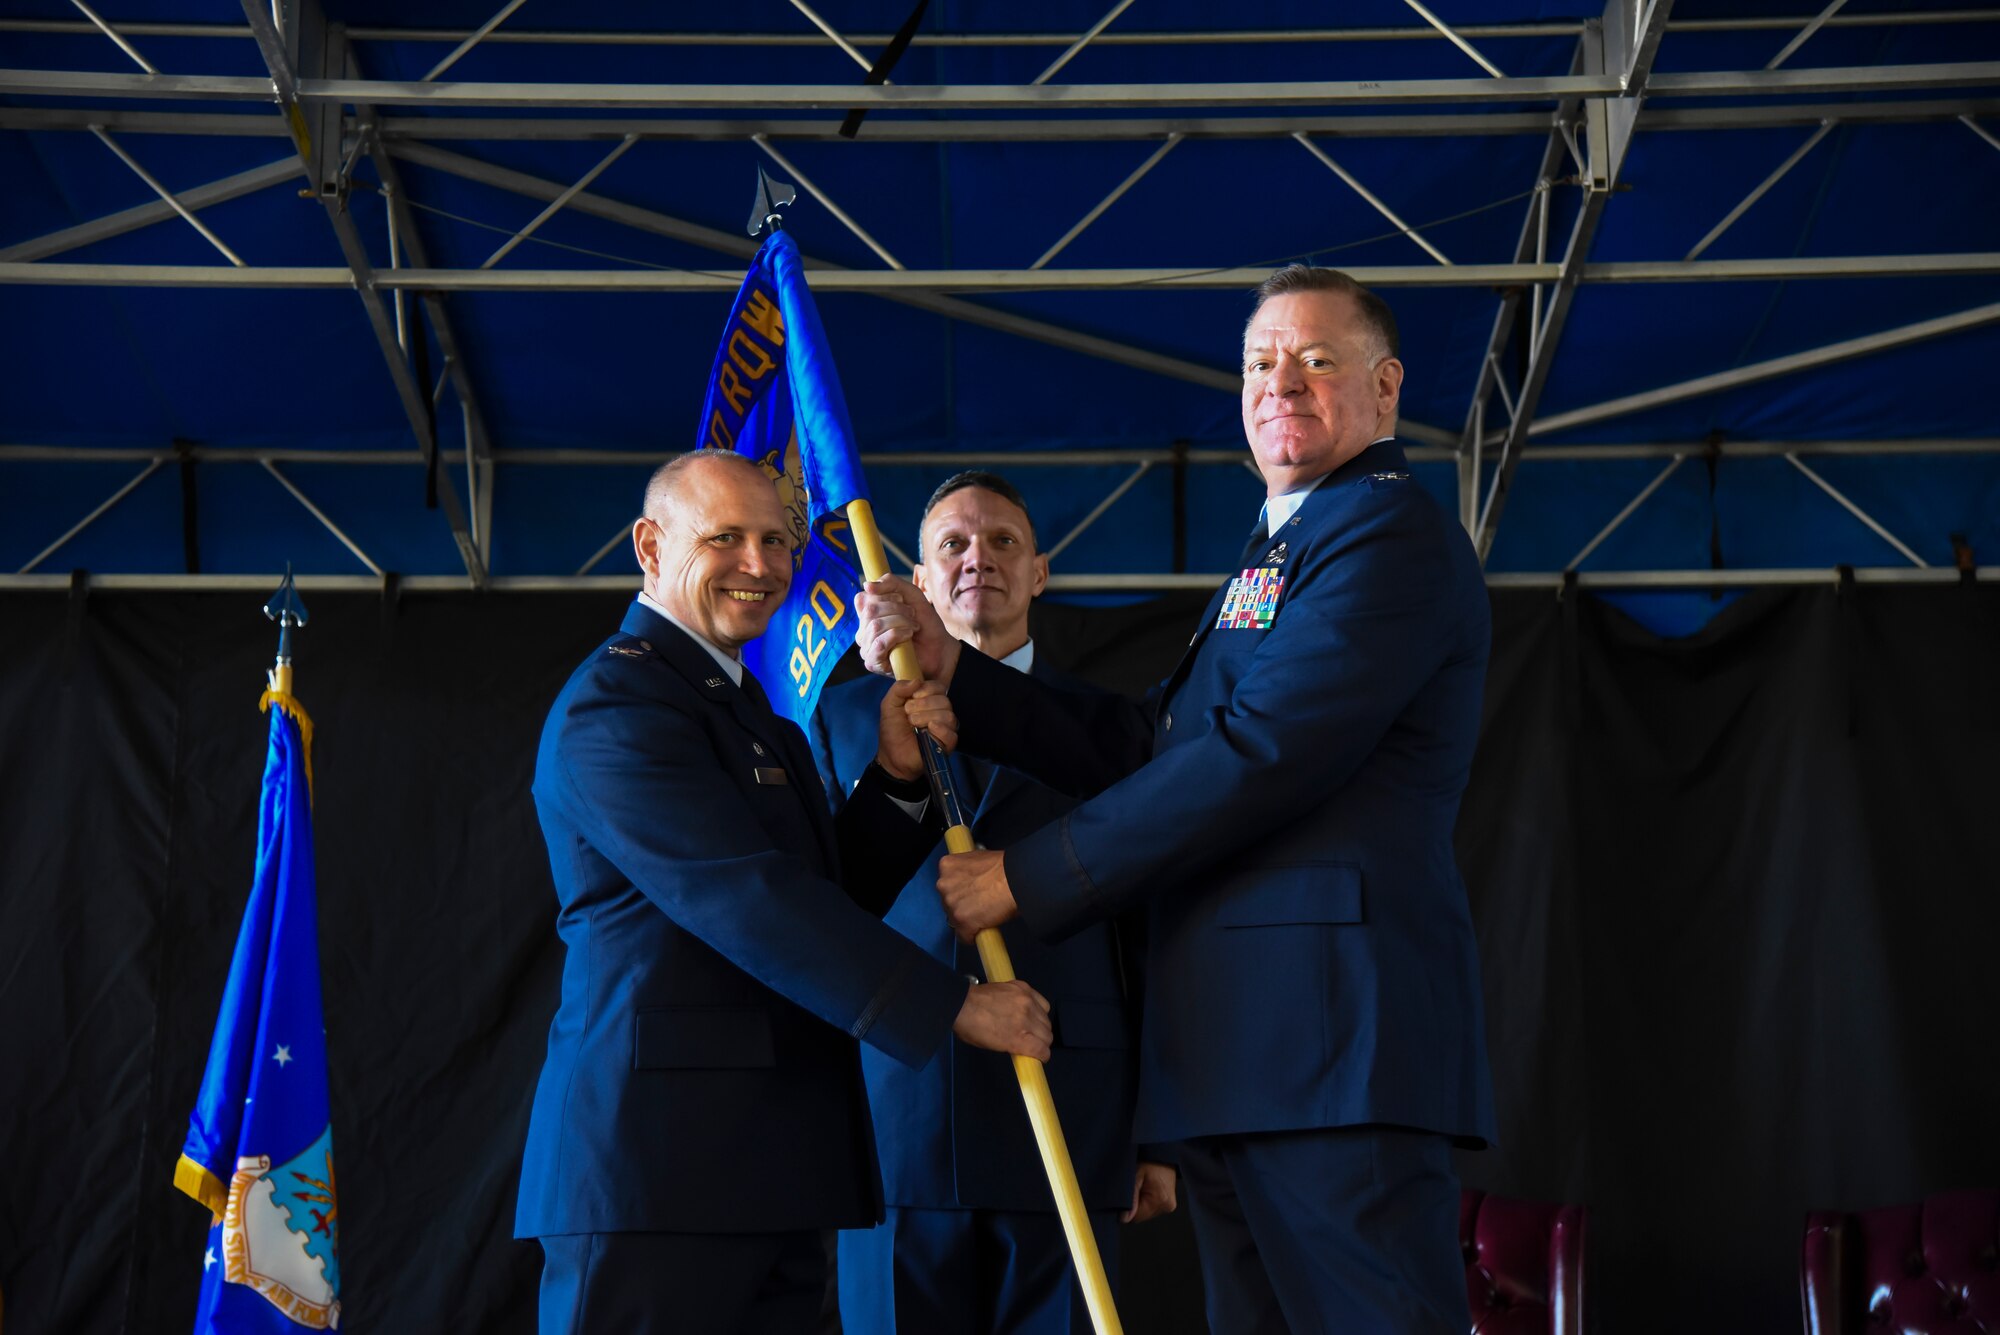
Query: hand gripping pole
(1000,969)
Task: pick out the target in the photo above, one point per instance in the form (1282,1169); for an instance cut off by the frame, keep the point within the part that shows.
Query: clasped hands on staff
(893,612)
(1010,1017)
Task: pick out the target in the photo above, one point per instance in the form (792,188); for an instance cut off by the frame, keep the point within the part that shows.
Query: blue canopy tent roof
(1849,316)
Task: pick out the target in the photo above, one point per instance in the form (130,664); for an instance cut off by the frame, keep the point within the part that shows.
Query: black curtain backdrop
(1738,898)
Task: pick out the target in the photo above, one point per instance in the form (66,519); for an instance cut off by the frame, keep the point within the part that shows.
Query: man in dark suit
(1313,1029)
(972,1243)
(700,1116)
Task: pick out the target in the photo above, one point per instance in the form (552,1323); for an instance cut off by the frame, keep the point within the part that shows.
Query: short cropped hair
(663,487)
(1375,314)
(985,481)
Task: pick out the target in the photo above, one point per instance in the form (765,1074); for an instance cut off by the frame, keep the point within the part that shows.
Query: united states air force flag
(259,1150)
(774,395)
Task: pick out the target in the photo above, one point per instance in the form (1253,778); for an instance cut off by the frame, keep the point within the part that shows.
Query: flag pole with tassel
(993,955)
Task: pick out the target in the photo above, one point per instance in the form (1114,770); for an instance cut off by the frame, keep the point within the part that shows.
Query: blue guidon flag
(259,1148)
(775,396)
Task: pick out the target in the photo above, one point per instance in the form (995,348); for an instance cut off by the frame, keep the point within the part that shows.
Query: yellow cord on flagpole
(1000,969)
(279,693)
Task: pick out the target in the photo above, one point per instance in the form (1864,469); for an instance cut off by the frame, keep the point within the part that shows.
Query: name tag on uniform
(770,774)
(1252,600)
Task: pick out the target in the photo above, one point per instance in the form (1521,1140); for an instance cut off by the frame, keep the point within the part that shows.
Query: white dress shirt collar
(729,663)
(1022,659)
(1280,508)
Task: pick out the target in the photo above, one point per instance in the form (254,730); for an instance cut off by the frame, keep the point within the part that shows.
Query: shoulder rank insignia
(626,651)
(1393,475)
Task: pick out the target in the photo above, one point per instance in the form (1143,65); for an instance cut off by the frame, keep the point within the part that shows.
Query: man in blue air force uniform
(972,1242)
(1313,1029)
(700,1115)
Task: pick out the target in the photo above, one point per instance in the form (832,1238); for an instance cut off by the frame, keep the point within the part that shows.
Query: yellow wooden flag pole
(1000,969)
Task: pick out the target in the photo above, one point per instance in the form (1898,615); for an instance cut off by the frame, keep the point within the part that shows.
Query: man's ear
(1041,574)
(646,546)
(1388,384)
(917,578)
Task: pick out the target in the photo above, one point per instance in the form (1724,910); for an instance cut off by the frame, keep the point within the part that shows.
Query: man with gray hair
(1282,809)
(971,1244)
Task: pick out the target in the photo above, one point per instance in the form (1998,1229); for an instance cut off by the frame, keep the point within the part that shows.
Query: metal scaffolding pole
(999,97)
(479,460)
(320,515)
(918,287)
(1369,198)
(1013,459)
(1455,39)
(866,65)
(1827,355)
(1077,46)
(826,202)
(310,26)
(168,197)
(145,215)
(1833,7)
(555,205)
(1017,129)
(1759,191)
(91,518)
(1117,193)
(1530,243)
(1631,507)
(1097,512)
(1142,582)
(1859,513)
(477,36)
(729,243)
(1611,47)
(116,37)
(1239,36)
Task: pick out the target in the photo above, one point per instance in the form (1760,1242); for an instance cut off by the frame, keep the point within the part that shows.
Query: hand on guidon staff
(1153,1193)
(975,892)
(1006,1017)
(894,611)
(912,705)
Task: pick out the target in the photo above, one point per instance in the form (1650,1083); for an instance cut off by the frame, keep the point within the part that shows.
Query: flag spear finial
(288,610)
(771,196)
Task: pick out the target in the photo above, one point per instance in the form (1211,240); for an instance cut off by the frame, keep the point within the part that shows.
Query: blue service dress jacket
(1283,807)
(954,1134)
(723,952)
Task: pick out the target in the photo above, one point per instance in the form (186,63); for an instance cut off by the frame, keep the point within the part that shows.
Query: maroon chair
(1523,1265)
(1922,1269)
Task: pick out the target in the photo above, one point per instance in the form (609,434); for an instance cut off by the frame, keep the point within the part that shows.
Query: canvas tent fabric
(1907,171)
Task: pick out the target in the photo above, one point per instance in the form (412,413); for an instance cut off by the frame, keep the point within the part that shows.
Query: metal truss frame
(307,33)
(1625,42)
(1017,129)
(994,97)
(1139,461)
(1777,576)
(1588,115)
(907,285)
(1237,37)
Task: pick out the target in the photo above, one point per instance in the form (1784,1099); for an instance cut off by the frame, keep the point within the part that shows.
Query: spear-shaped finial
(288,610)
(771,196)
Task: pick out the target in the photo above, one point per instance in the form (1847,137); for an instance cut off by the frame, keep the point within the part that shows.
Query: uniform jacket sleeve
(1366,623)
(637,775)
(1078,742)
(881,845)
